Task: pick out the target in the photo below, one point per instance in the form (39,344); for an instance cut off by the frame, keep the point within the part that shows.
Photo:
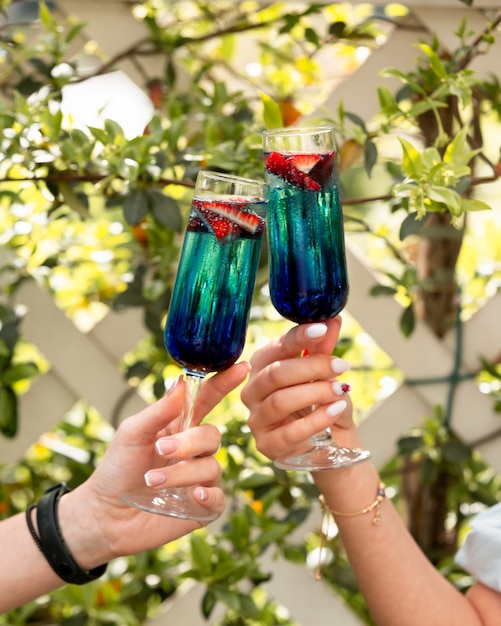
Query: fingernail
(154,478)
(336,408)
(165,446)
(340,366)
(316,330)
(202,494)
(341,388)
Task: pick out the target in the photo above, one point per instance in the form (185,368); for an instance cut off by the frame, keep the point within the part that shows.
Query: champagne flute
(308,274)
(209,309)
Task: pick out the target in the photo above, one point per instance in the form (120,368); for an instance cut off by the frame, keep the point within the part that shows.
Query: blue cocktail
(308,274)
(209,309)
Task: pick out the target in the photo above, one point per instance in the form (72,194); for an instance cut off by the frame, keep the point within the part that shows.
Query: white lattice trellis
(85,366)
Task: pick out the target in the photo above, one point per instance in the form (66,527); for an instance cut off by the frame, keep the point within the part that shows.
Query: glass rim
(292,130)
(226,177)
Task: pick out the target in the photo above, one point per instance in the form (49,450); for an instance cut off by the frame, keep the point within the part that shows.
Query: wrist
(81,530)
(350,488)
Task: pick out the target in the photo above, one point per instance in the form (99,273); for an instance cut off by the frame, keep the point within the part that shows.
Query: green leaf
(165,209)
(256,480)
(387,101)
(408,321)
(230,598)
(46,16)
(455,150)
(135,206)
(99,134)
(470,205)
(382,290)
(208,603)
(113,129)
(23,371)
(409,444)
(411,226)
(456,452)
(294,554)
(201,553)
(427,471)
(239,531)
(435,62)
(412,162)
(248,607)
(370,156)
(8,411)
(357,120)
(272,115)
(404,78)
(444,195)
(273,534)
(312,36)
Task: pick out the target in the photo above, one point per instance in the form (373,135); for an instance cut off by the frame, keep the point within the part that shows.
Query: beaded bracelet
(50,540)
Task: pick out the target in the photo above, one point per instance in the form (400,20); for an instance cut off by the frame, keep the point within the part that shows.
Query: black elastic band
(31,528)
(51,542)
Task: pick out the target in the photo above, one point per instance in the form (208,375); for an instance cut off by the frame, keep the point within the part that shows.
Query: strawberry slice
(248,221)
(219,225)
(304,161)
(322,170)
(280,166)
(233,212)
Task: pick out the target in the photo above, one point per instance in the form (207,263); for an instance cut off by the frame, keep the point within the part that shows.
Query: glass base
(176,502)
(323,457)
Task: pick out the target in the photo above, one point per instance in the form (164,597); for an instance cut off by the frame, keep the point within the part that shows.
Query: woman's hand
(141,451)
(282,388)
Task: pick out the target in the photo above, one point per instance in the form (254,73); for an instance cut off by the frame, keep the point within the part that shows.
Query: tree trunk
(437,256)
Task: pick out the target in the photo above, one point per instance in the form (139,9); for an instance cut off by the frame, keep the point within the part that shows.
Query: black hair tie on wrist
(51,542)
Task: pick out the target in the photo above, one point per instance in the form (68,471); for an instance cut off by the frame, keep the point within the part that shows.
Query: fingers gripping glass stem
(175,501)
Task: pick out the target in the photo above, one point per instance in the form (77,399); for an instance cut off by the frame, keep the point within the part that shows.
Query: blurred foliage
(94,217)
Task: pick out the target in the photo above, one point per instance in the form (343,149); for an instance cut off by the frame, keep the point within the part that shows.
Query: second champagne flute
(209,309)
(308,274)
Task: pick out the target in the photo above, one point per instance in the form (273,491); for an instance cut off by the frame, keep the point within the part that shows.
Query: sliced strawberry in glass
(321,172)
(279,165)
(304,161)
(248,221)
(220,226)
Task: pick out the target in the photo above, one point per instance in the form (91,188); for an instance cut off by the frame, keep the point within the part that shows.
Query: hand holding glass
(209,310)
(308,274)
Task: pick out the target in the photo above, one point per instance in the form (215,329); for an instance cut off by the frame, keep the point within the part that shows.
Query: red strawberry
(280,166)
(304,161)
(322,170)
(248,221)
(220,226)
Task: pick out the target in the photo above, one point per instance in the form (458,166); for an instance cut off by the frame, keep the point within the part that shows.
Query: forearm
(398,582)
(25,574)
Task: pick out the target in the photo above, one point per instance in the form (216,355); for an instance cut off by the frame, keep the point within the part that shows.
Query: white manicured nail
(340,366)
(154,478)
(336,408)
(316,330)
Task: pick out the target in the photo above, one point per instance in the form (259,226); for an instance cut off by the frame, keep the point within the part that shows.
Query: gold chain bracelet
(375,505)
(327,512)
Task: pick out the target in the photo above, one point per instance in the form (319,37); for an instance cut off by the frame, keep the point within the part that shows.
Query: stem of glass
(193,381)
